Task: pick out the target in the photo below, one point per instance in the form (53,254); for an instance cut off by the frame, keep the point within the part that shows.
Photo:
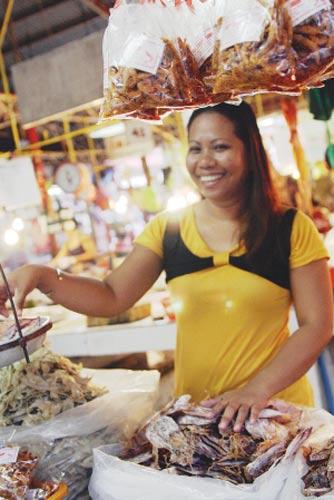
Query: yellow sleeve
(153,234)
(306,242)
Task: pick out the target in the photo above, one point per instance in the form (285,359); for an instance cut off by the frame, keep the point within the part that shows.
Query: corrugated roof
(38,26)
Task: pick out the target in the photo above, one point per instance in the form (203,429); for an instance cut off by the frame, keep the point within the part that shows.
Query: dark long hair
(261,204)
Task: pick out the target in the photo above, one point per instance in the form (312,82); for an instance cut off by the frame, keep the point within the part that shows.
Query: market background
(61,168)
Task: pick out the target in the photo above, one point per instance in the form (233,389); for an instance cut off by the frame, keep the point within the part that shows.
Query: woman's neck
(225,211)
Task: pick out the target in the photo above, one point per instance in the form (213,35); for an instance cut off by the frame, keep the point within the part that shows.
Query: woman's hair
(261,204)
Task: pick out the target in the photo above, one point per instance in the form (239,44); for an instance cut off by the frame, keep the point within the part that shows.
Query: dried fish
(184,439)
(35,392)
(319,478)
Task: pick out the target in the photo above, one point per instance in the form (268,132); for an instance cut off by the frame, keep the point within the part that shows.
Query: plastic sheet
(313,39)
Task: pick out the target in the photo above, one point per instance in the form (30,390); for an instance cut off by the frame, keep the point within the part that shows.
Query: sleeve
(306,242)
(153,234)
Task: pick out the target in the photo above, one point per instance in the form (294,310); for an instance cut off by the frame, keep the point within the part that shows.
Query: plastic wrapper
(313,39)
(72,434)
(253,48)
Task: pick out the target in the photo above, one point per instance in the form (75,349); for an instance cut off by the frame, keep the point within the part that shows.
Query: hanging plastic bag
(254,48)
(313,38)
(180,38)
(72,434)
(148,62)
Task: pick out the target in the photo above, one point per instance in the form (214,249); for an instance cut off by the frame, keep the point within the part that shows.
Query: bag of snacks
(18,467)
(253,48)
(149,59)
(313,39)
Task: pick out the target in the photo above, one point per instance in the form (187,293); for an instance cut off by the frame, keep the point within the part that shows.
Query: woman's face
(216,158)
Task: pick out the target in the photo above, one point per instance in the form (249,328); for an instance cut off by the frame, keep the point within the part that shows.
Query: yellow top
(230,322)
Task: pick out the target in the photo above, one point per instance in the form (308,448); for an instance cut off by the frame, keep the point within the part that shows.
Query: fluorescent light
(55,190)
(18,224)
(109,131)
(11,237)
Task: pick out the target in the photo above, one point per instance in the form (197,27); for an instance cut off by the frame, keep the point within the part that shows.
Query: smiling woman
(234,261)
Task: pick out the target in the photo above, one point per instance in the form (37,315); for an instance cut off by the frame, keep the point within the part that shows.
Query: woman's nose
(206,159)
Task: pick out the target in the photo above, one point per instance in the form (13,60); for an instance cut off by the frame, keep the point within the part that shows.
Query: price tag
(302,9)
(204,45)
(9,455)
(243,22)
(143,53)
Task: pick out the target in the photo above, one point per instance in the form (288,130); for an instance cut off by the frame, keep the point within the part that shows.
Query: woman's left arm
(313,302)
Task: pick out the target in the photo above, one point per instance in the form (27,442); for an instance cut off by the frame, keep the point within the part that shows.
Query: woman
(234,263)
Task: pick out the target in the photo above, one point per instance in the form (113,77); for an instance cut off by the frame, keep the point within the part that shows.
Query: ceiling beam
(97,6)
(41,35)
(32,9)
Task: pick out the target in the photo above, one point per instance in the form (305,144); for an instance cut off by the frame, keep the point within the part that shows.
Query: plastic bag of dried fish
(253,48)
(149,61)
(128,399)
(312,472)
(313,38)
(183,440)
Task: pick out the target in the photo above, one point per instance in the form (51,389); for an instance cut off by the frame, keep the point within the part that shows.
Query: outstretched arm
(119,290)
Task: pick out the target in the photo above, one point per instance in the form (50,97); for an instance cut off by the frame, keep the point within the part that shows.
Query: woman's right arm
(116,293)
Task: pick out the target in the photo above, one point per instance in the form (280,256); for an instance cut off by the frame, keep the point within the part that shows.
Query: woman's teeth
(211,178)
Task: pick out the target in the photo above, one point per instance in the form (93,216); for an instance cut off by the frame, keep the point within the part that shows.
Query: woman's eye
(220,147)
(194,149)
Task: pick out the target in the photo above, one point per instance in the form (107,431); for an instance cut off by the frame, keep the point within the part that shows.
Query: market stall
(83,171)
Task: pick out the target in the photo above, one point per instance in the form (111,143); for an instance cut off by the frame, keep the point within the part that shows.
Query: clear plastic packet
(253,48)
(149,62)
(16,475)
(18,463)
(313,39)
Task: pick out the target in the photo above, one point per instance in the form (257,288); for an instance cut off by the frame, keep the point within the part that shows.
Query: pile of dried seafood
(320,477)
(35,392)
(184,439)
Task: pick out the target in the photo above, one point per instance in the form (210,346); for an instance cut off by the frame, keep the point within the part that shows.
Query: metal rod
(23,341)
(73,133)
(5,22)
(69,143)
(12,115)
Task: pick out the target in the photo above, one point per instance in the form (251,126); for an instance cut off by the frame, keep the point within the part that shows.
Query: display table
(71,337)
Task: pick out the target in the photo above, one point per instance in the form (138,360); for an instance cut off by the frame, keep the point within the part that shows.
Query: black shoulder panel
(271,261)
(178,259)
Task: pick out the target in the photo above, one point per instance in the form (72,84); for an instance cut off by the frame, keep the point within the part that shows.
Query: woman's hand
(239,404)
(21,282)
